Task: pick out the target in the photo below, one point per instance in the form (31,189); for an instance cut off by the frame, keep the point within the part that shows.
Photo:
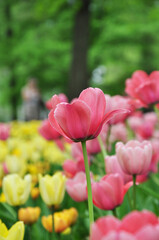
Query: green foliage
(123,38)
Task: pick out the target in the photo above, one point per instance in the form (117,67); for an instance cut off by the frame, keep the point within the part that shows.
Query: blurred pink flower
(118,132)
(76,187)
(143,86)
(62,98)
(4,131)
(109,192)
(135,220)
(84,117)
(47,131)
(103,226)
(134,157)
(116,102)
(113,166)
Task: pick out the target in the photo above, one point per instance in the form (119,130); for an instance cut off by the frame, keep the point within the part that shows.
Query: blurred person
(32,101)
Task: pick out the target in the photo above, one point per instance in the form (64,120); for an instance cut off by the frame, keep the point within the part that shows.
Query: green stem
(114,212)
(134,191)
(53,235)
(104,153)
(129,200)
(29,232)
(89,188)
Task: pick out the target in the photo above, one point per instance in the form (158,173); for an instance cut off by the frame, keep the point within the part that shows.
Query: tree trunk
(79,72)
(10,63)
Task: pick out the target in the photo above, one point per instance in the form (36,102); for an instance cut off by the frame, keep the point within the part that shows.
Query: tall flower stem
(134,192)
(89,188)
(104,153)
(53,237)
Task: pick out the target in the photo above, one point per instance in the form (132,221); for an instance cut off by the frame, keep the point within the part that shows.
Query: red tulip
(109,192)
(84,117)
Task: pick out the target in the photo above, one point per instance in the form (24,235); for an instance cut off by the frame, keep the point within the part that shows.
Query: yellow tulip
(52,188)
(16,232)
(16,189)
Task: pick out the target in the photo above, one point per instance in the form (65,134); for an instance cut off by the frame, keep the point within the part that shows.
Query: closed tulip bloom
(29,215)
(47,131)
(52,188)
(16,189)
(134,157)
(108,193)
(82,119)
(16,232)
(76,187)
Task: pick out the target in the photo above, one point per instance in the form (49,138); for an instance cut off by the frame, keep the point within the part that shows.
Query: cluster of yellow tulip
(25,160)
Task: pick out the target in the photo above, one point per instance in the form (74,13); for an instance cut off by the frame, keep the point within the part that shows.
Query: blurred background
(68,45)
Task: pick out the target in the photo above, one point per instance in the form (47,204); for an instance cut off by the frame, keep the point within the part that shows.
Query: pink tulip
(118,132)
(47,131)
(103,226)
(134,157)
(116,102)
(113,166)
(135,220)
(108,193)
(4,131)
(84,117)
(148,233)
(143,86)
(70,168)
(76,187)
(62,98)
(119,236)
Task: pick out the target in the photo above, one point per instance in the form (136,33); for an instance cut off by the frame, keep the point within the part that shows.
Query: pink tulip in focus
(104,226)
(47,131)
(134,157)
(4,131)
(143,86)
(82,119)
(113,166)
(109,192)
(62,98)
(76,187)
(135,221)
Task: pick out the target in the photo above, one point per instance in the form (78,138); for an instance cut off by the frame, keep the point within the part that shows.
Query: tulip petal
(95,99)
(73,119)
